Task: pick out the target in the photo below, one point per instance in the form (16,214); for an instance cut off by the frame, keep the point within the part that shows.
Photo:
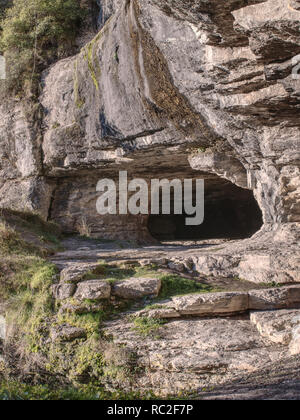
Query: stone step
(226,303)
(134,288)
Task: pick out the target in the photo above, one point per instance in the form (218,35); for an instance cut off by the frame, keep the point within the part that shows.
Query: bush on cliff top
(34,34)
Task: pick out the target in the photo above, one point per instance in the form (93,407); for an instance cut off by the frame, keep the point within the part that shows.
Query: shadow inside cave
(230,212)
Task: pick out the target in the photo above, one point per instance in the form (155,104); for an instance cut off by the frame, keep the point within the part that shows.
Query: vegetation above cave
(34,34)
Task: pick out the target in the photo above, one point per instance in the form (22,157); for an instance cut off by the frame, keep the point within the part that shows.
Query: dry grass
(84,228)
(12,243)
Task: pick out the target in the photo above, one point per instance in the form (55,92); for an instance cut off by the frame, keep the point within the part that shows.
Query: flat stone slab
(93,290)
(230,303)
(277,325)
(211,303)
(276,298)
(136,288)
(75,272)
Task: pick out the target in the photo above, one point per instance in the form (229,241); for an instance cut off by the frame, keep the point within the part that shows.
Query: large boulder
(93,290)
(67,333)
(136,288)
(75,272)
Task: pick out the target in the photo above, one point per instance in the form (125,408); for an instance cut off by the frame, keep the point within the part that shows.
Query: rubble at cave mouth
(231,212)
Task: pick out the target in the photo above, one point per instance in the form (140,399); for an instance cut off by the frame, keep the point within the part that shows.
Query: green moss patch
(174,285)
(12,390)
(148,326)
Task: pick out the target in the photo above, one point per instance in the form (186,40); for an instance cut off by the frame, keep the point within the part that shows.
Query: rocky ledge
(196,354)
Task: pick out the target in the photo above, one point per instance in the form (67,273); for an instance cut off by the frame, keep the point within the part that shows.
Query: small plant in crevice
(194,151)
(88,54)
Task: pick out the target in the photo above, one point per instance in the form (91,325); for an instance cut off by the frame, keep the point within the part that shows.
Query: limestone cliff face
(172,88)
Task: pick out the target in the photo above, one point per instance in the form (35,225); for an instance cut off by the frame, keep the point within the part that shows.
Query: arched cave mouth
(231,212)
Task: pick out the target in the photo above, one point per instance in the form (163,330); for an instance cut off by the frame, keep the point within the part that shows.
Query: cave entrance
(231,212)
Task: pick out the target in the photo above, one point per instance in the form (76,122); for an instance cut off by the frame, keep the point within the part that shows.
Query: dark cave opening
(231,212)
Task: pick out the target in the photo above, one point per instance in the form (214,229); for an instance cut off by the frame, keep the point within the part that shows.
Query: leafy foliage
(34,33)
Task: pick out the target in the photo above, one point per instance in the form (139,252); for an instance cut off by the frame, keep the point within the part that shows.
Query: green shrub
(34,33)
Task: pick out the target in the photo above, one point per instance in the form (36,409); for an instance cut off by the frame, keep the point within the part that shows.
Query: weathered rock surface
(211,303)
(264,258)
(80,308)
(196,353)
(185,61)
(176,89)
(93,290)
(226,303)
(275,259)
(67,333)
(294,346)
(278,326)
(74,273)
(136,288)
(63,291)
(277,298)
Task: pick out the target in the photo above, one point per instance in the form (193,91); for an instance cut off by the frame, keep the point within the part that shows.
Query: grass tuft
(16,391)
(174,285)
(148,326)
